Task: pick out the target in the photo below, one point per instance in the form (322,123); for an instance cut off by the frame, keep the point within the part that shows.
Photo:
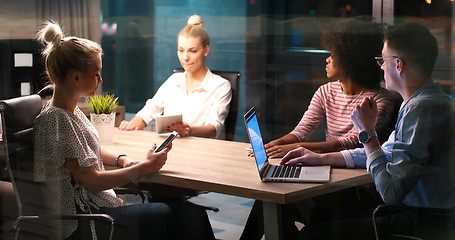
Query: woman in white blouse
(69,160)
(199,95)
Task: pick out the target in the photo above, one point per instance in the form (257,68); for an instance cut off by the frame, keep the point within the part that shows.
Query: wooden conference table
(223,167)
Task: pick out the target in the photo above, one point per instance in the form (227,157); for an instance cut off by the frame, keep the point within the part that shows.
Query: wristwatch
(119,156)
(365,136)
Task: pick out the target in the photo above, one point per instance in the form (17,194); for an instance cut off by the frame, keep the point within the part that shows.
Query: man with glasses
(412,167)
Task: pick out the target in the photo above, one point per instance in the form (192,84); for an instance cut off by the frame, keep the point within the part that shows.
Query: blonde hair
(195,28)
(63,54)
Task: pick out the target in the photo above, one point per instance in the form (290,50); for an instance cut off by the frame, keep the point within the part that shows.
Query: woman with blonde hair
(199,95)
(69,161)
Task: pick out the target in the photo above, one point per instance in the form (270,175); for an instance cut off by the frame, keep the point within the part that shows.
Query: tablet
(162,122)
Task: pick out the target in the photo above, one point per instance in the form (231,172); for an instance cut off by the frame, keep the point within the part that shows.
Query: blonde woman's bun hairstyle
(50,35)
(65,54)
(195,20)
(195,28)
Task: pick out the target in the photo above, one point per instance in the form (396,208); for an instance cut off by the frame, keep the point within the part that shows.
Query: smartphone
(168,141)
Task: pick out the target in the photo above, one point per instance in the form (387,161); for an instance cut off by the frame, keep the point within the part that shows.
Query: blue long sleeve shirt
(413,166)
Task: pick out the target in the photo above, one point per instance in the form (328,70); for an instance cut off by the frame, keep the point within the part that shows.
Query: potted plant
(102,115)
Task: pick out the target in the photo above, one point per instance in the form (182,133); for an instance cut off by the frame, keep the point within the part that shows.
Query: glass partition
(275,45)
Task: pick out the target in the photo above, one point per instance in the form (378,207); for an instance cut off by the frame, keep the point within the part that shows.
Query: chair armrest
(443,213)
(130,188)
(95,216)
(418,210)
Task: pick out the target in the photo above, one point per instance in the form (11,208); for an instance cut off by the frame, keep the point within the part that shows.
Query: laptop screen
(255,138)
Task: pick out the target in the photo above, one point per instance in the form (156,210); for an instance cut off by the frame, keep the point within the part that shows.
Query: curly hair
(353,44)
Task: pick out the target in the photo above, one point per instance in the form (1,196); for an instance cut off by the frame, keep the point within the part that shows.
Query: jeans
(152,221)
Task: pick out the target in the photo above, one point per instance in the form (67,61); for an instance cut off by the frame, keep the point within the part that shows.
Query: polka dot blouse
(60,134)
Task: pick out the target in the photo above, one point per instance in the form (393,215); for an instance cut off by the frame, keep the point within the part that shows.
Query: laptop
(275,172)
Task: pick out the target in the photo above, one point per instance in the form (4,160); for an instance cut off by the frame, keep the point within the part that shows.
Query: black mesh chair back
(231,119)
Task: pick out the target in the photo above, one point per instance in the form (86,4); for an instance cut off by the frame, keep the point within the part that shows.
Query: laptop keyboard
(286,171)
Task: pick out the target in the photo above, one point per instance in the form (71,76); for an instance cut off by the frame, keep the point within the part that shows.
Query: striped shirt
(330,104)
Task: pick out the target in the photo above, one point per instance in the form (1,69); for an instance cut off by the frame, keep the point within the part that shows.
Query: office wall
(18,19)
(19,22)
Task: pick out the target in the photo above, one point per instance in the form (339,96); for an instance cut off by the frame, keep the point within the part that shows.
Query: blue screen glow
(256,141)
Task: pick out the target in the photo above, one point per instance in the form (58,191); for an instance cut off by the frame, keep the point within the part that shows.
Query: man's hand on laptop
(302,156)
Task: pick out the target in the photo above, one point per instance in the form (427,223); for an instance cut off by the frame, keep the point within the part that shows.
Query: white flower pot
(104,124)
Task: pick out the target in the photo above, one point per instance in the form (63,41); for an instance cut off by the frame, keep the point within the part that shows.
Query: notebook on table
(275,172)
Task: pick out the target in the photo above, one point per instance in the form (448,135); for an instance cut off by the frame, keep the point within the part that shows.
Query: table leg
(273,225)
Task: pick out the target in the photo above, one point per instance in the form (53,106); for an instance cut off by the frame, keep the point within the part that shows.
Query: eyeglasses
(380,60)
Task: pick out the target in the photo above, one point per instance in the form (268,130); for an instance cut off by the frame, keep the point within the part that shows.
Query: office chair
(159,192)
(231,119)
(432,223)
(18,116)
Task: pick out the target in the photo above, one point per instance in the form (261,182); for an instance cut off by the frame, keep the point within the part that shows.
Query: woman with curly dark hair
(353,45)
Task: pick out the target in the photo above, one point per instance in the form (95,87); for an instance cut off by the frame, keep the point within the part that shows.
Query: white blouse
(58,135)
(207,104)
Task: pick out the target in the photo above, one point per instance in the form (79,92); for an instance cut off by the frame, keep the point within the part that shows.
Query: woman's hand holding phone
(168,141)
